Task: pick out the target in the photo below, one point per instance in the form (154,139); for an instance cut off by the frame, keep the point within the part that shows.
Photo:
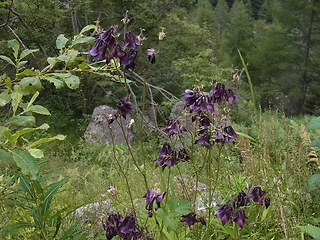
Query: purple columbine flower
(128,60)
(190,97)
(230,96)
(257,194)
(131,41)
(190,219)
(225,213)
(128,229)
(117,51)
(204,138)
(151,53)
(112,225)
(218,92)
(105,40)
(173,127)
(240,218)
(229,134)
(169,157)
(241,200)
(152,196)
(124,107)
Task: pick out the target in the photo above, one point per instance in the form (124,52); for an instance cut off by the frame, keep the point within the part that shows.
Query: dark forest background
(279,40)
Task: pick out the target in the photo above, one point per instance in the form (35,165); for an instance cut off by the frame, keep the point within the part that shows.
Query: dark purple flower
(131,41)
(152,196)
(105,40)
(159,199)
(202,220)
(128,225)
(169,157)
(117,51)
(112,225)
(241,200)
(225,213)
(204,138)
(128,60)
(256,194)
(173,127)
(240,218)
(204,121)
(229,134)
(190,97)
(124,106)
(218,92)
(267,202)
(151,53)
(230,96)
(190,219)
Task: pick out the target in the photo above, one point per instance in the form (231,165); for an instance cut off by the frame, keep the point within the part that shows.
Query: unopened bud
(110,118)
(126,20)
(162,34)
(130,124)
(140,36)
(249,186)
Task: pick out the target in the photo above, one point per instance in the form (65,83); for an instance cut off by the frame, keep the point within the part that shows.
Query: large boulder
(98,130)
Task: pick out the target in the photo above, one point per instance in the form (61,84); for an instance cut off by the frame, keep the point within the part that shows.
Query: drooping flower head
(169,157)
(105,40)
(241,200)
(257,194)
(152,196)
(204,138)
(239,218)
(128,60)
(128,229)
(190,219)
(112,225)
(173,127)
(124,107)
(131,41)
(225,213)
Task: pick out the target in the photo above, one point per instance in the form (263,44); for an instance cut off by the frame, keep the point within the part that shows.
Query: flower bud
(162,34)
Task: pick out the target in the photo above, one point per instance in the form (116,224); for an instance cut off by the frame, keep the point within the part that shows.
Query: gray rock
(179,113)
(94,211)
(98,130)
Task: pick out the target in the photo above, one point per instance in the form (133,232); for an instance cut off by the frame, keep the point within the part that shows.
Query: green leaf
(26,163)
(246,136)
(46,140)
(314,124)
(16,97)
(313,231)
(71,55)
(315,143)
(14,138)
(30,81)
(14,44)
(7,59)
(57,83)
(36,153)
(313,183)
(87,28)
(7,157)
(53,188)
(26,52)
(34,97)
(38,109)
(72,81)
(52,60)
(61,41)
(22,121)
(4,98)
(25,184)
(87,40)
(69,232)
(21,64)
